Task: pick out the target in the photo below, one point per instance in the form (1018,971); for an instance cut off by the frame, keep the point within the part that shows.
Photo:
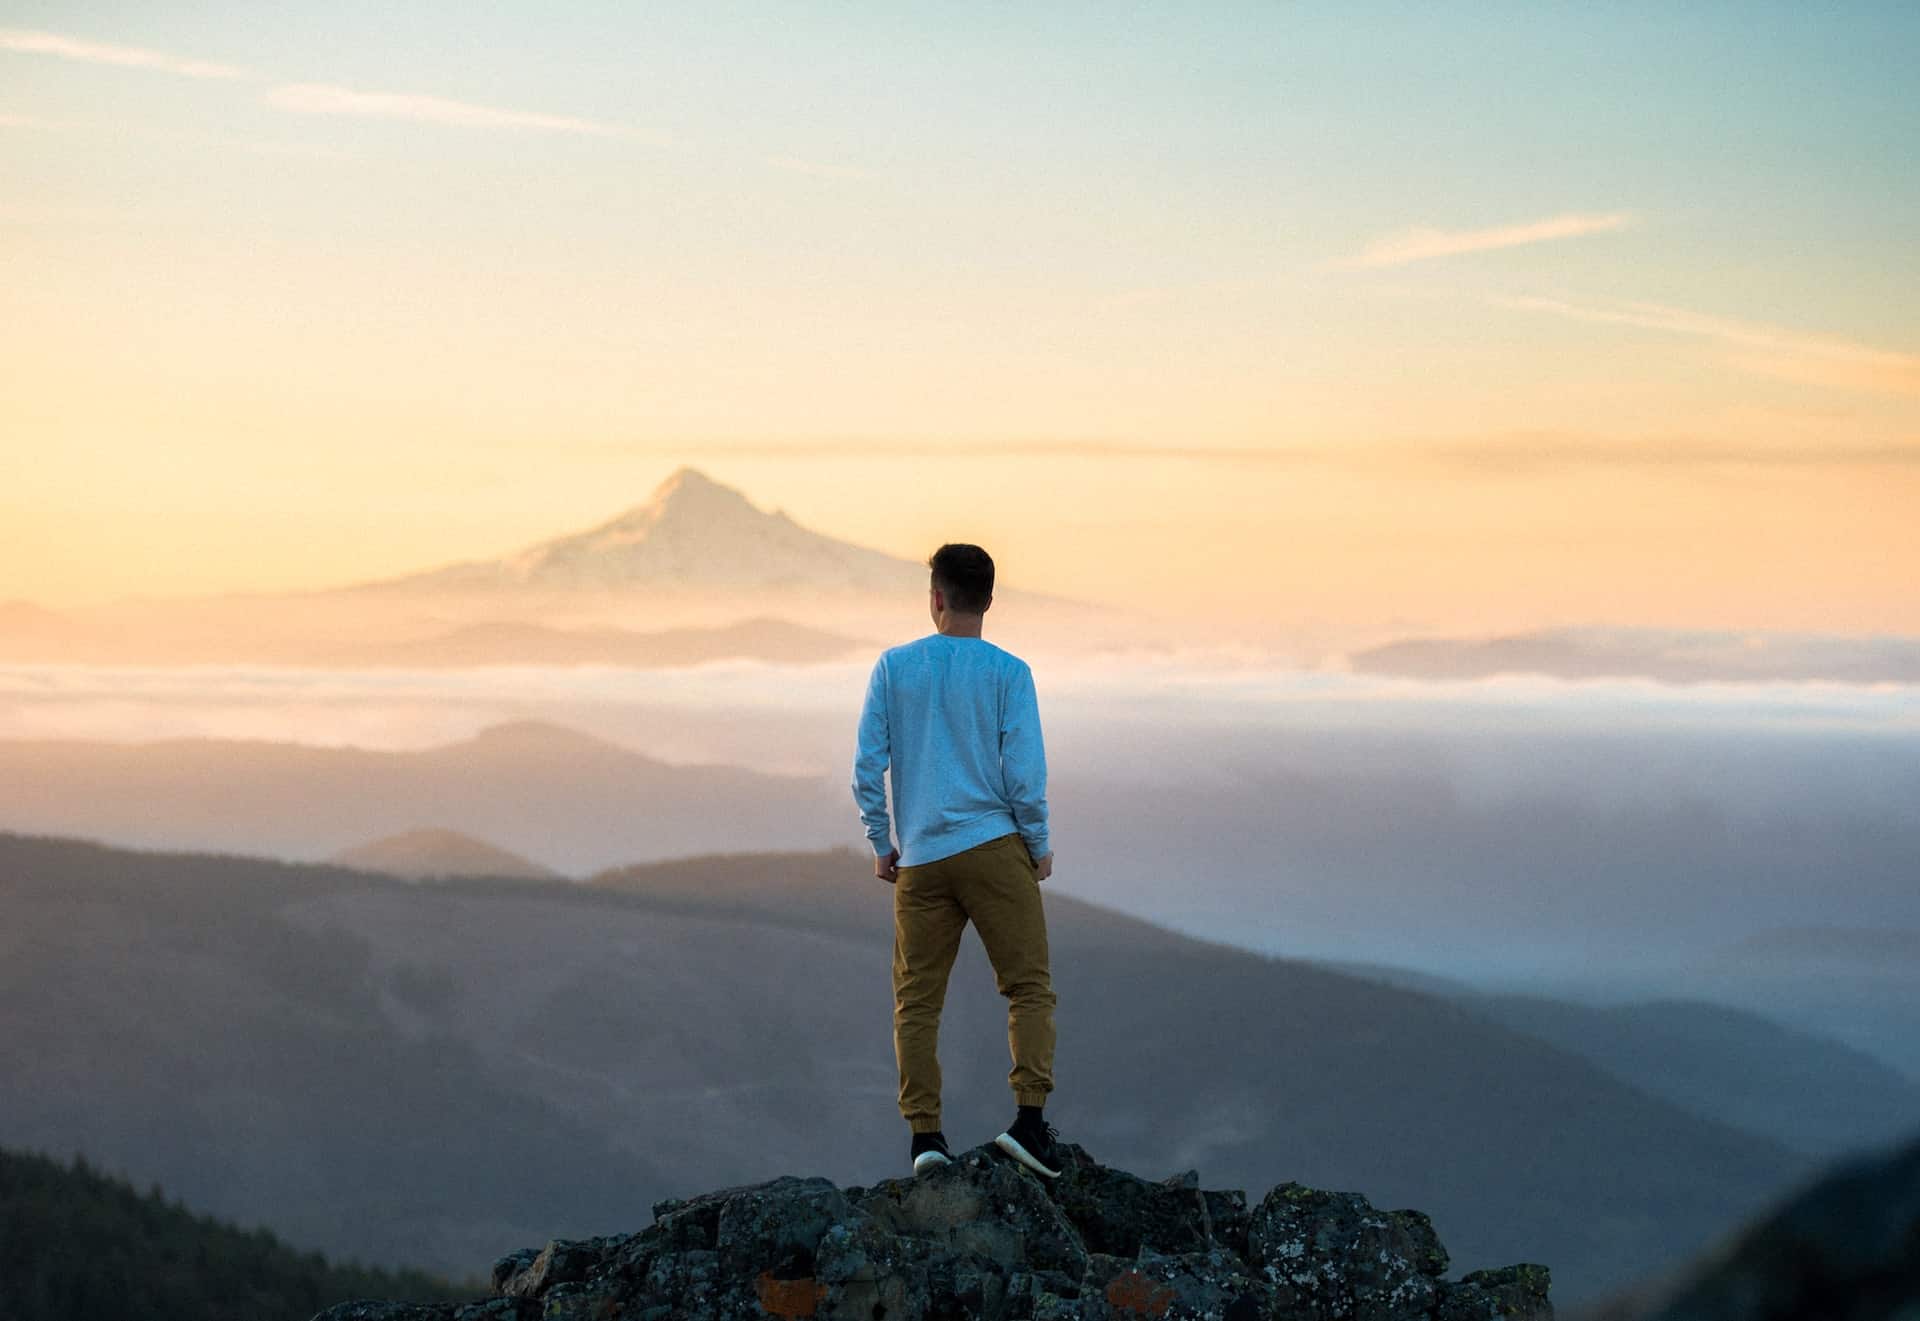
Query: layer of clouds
(1198,690)
(330,99)
(1686,656)
(29,42)
(317,97)
(1349,815)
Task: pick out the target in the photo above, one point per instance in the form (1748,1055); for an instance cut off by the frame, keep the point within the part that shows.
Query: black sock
(1030,1113)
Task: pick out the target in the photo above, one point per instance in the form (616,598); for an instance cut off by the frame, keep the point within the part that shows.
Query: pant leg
(927,923)
(1000,890)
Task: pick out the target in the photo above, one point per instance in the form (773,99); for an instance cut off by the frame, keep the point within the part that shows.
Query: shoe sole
(926,1160)
(1009,1144)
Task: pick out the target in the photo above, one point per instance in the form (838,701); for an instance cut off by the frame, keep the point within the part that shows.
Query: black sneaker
(1029,1140)
(929,1150)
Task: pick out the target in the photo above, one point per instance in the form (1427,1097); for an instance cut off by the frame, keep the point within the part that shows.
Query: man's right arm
(870,760)
(1023,762)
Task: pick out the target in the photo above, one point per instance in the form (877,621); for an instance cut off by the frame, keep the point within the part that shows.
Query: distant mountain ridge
(691,532)
(429,854)
(708,573)
(1671,655)
(541,790)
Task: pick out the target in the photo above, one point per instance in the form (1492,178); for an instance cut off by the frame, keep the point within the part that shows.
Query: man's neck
(960,626)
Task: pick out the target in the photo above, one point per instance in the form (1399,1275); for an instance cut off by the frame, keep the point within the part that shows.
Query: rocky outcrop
(984,1238)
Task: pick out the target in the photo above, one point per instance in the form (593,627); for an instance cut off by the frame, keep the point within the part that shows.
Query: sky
(1425,319)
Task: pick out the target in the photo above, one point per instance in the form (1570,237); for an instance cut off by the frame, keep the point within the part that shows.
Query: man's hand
(1046,866)
(887,868)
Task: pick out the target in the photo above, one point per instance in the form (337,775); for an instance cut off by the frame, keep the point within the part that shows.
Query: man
(957,720)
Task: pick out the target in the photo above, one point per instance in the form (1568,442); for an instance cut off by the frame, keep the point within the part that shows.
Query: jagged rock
(984,1239)
(368,1310)
(1508,1291)
(1215,1285)
(1121,1213)
(1228,1218)
(492,1309)
(528,1273)
(1333,1255)
(986,1206)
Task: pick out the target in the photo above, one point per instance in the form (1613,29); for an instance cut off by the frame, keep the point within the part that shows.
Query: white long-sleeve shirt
(958,722)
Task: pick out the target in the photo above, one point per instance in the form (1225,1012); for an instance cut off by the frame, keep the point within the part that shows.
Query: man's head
(962,580)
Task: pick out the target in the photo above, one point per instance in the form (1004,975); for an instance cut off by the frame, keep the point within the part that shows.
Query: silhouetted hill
(1812,1093)
(1672,655)
(370,1065)
(1844,1245)
(80,1244)
(1816,1094)
(531,787)
(430,853)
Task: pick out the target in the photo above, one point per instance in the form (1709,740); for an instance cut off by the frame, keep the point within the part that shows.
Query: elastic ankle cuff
(1035,1099)
(924,1125)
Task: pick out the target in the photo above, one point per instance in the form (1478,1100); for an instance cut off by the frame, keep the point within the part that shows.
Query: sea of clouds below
(1133,718)
(1145,721)
(1507,829)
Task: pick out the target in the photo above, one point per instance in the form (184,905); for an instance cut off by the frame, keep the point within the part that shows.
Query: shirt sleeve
(870,761)
(1023,762)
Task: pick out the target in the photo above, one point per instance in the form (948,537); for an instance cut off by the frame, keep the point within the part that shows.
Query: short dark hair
(964,575)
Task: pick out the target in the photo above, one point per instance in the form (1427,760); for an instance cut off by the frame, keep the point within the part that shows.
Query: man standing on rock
(957,719)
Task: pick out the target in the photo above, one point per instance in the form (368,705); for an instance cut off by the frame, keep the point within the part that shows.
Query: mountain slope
(691,532)
(81,1244)
(534,788)
(429,852)
(495,1062)
(1815,1094)
(704,571)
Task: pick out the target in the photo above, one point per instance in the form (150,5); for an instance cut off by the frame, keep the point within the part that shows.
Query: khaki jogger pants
(996,886)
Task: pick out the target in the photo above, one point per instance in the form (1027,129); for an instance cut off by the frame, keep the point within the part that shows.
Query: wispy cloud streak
(29,42)
(1424,244)
(331,99)
(321,98)
(1767,349)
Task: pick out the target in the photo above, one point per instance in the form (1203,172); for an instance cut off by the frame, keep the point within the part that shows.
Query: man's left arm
(870,761)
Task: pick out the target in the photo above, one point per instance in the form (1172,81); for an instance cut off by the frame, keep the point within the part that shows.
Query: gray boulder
(1333,1255)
